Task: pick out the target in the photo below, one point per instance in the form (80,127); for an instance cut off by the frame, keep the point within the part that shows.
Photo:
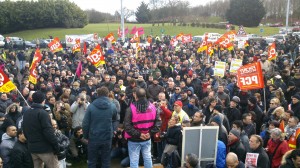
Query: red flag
(250,77)
(186,38)
(96,57)
(110,37)
(76,46)
(84,48)
(272,52)
(79,69)
(55,45)
(5,84)
(133,30)
(32,70)
(141,31)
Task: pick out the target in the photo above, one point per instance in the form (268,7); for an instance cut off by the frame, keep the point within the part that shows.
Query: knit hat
(218,108)
(38,97)
(252,100)
(235,133)
(296,96)
(236,99)
(217,119)
(178,103)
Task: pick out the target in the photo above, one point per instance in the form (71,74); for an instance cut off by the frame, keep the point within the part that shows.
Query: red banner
(5,84)
(186,38)
(250,77)
(33,73)
(55,45)
(96,57)
(110,37)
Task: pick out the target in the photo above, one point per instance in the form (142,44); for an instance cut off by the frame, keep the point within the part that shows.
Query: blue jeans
(99,150)
(134,149)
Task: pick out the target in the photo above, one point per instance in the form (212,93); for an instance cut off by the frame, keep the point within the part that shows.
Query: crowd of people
(135,106)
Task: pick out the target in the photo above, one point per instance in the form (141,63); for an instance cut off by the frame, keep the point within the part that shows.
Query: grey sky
(110,6)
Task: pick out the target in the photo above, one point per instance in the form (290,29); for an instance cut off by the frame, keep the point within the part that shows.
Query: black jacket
(38,130)
(20,156)
(263,158)
(174,135)
(232,115)
(239,149)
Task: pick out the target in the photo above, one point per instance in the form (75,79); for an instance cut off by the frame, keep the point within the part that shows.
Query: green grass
(104,29)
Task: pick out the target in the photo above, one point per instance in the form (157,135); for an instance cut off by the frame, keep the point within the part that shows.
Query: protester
(97,128)
(38,130)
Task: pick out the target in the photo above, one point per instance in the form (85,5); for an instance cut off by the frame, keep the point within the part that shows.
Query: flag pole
(23,97)
(265,103)
(74,78)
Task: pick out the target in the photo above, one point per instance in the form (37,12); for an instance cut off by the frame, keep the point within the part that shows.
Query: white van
(213,37)
(2,43)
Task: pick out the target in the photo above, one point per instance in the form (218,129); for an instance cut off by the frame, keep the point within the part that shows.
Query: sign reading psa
(250,77)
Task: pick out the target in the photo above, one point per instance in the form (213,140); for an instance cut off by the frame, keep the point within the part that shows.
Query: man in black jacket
(38,130)
(20,156)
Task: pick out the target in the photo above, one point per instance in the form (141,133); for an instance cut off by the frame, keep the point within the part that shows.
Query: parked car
(296,34)
(41,43)
(197,38)
(279,37)
(29,44)
(279,24)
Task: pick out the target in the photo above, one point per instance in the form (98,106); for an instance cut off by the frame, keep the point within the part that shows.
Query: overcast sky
(110,6)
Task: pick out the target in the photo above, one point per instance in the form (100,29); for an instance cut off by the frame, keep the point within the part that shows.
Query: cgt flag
(96,57)
(272,52)
(76,47)
(250,77)
(55,45)
(33,73)
(5,84)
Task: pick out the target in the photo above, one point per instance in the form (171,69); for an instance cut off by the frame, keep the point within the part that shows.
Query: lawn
(105,28)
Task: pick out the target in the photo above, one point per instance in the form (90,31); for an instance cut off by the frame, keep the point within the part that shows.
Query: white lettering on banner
(1,79)
(55,46)
(94,57)
(272,51)
(249,80)
(248,70)
(34,73)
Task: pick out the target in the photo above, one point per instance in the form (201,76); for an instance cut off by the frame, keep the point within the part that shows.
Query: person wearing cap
(291,90)
(295,105)
(223,134)
(276,148)
(277,80)
(38,130)
(235,145)
(232,112)
(178,111)
(218,111)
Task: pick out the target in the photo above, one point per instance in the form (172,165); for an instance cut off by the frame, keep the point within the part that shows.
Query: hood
(191,89)
(5,137)
(102,102)
(141,105)
(10,106)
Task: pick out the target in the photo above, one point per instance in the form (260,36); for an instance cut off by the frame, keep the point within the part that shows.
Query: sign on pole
(235,65)
(219,69)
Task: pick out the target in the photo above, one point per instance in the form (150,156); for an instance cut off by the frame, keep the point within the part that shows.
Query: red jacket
(281,150)
(165,116)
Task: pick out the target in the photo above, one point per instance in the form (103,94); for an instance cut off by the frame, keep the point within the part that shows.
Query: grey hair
(276,131)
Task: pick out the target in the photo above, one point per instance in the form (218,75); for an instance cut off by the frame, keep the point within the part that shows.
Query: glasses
(177,89)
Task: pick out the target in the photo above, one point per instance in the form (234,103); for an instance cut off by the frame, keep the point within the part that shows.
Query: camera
(63,108)
(122,94)
(118,132)
(163,135)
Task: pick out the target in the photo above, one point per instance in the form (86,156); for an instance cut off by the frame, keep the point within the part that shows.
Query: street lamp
(287,16)
(122,21)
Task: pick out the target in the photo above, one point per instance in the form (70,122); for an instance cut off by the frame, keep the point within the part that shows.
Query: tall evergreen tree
(248,13)
(143,13)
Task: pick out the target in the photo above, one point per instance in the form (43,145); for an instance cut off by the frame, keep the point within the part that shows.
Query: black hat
(253,100)
(38,97)
(296,96)
(217,119)
(218,108)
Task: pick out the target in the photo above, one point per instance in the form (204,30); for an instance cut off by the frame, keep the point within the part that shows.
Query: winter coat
(153,91)
(39,131)
(239,149)
(14,116)
(174,135)
(232,115)
(263,158)
(20,156)
(4,105)
(64,143)
(98,119)
(281,150)
(78,113)
(6,146)
(296,109)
